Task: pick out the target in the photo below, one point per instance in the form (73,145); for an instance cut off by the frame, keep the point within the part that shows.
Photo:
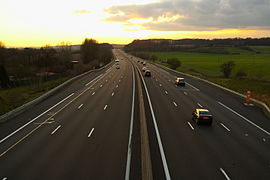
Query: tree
(4,79)
(226,68)
(89,50)
(174,63)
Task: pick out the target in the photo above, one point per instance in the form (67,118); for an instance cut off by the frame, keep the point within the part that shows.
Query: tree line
(191,44)
(32,65)
(95,53)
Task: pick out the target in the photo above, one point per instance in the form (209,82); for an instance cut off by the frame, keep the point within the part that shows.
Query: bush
(226,68)
(241,74)
(174,63)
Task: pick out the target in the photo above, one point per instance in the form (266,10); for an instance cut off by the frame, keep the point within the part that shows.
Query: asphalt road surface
(90,130)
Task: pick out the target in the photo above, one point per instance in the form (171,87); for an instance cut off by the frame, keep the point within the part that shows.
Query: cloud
(196,14)
(82,12)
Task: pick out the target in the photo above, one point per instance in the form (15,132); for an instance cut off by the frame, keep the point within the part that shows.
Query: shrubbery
(226,68)
(174,63)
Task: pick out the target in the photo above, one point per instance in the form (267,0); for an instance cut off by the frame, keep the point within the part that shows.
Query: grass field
(255,65)
(15,97)
(255,62)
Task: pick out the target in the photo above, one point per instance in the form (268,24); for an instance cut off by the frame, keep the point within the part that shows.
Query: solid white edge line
(56,129)
(93,80)
(252,123)
(193,86)
(199,105)
(127,174)
(190,125)
(105,107)
(163,158)
(91,132)
(225,127)
(80,106)
(11,134)
(224,173)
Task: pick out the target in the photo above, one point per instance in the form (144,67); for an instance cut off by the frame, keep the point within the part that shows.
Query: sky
(34,23)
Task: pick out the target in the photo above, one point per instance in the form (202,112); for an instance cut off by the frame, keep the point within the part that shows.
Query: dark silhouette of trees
(4,79)
(92,52)
(89,50)
(226,68)
(174,63)
(191,45)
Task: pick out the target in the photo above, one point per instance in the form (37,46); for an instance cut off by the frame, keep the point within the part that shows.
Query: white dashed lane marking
(90,133)
(56,129)
(225,127)
(190,126)
(80,106)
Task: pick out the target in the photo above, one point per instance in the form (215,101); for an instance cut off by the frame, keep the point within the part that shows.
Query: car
(144,69)
(117,62)
(147,73)
(202,116)
(144,63)
(138,61)
(117,66)
(180,82)
(141,62)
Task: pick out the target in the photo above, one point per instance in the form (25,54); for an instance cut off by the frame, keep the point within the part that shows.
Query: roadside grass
(207,66)
(15,97)
(259,89)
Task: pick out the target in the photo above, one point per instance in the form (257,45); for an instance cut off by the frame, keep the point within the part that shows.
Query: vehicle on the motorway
(138,61)
(147,73)
(118,66)
(141,62)
(144,63)
(117,62)
(144,69)
(180,82)
(202,116)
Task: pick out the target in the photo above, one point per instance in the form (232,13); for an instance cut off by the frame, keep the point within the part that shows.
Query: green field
(256,65)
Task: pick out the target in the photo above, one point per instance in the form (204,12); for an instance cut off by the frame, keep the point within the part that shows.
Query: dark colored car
(180,82)
(147,73)
(202,116)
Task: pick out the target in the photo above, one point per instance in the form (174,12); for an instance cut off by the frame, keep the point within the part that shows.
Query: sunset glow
(36,23)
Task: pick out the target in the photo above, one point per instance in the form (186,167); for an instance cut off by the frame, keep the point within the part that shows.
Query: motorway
(91,130)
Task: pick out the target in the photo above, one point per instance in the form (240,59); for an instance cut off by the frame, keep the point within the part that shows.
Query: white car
(144,69)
